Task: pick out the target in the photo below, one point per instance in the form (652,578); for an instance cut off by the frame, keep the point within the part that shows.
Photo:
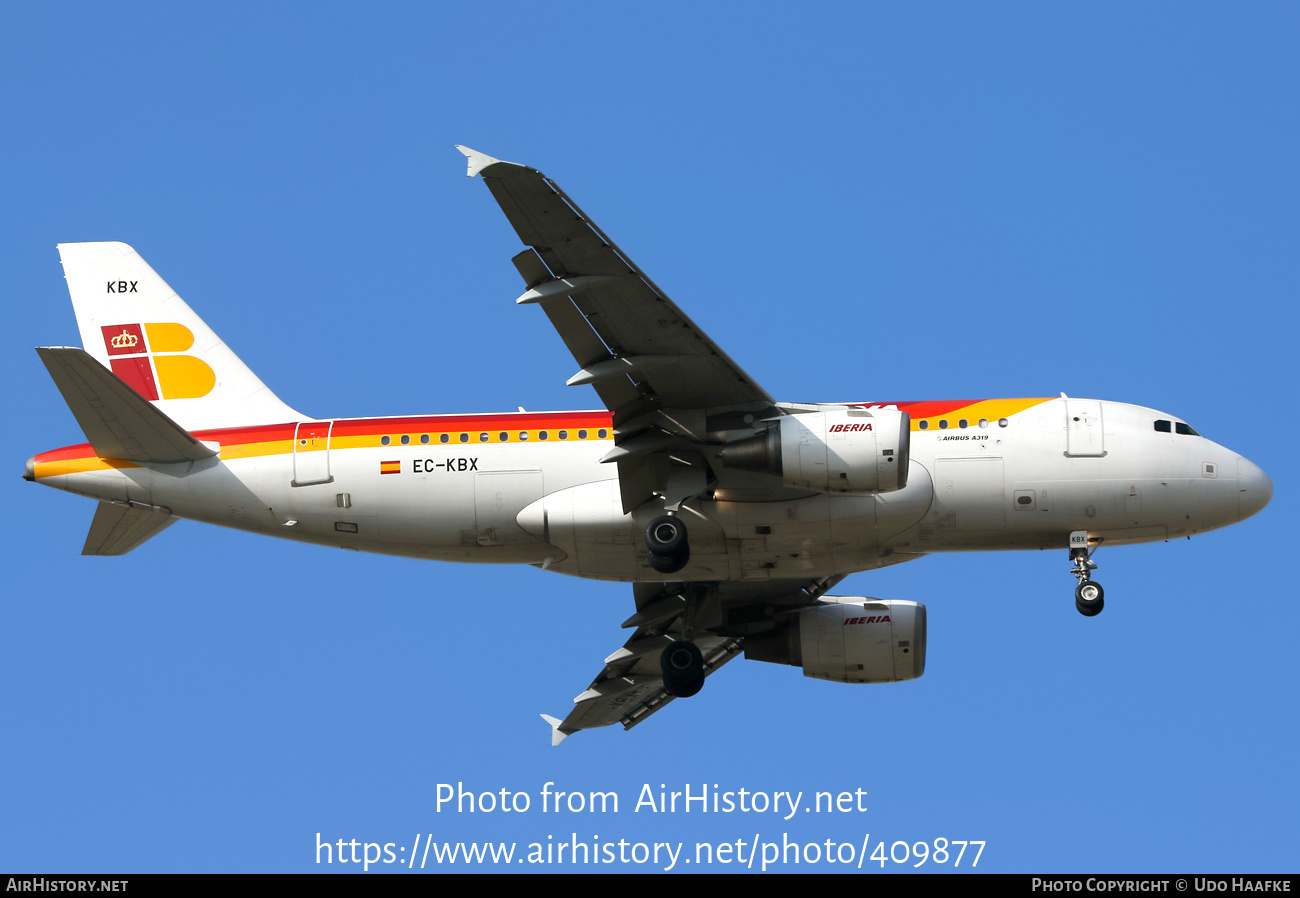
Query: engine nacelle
(835,450)
(849,640)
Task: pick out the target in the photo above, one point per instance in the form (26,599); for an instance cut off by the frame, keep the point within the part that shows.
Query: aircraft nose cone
(1255,489)
(29,472)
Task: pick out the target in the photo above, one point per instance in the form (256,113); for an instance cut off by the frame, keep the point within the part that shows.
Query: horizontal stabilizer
(117,529)
(118,421)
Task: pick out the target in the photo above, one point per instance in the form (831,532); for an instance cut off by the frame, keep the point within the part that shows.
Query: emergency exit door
(1083,428)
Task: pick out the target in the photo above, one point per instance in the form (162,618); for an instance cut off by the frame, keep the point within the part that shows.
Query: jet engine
(835,450)
(849,640)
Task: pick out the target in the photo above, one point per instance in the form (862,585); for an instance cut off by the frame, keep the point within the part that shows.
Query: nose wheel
(667,545)
(1089,597)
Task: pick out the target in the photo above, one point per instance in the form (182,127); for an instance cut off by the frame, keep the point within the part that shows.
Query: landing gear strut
(666,541)
(1089,597)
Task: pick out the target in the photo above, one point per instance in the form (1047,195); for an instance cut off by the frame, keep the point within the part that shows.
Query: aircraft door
(1083,428)
(311,453)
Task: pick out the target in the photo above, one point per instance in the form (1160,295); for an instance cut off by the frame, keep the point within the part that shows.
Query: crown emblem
(125,340)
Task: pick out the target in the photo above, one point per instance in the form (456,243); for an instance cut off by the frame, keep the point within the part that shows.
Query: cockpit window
(1163,426)
(1184,429)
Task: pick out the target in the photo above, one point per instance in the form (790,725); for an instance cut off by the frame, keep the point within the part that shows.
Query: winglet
(477,161)
(557,735)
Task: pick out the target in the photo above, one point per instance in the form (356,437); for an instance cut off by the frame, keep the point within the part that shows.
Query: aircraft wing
(630,687)
(653,367)
(630,341)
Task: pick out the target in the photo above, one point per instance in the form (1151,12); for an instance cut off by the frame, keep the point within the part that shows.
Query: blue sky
(857,201)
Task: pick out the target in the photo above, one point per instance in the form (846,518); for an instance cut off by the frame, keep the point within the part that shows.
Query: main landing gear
(682,664)
(1089,597)
(669,550)
(666,542)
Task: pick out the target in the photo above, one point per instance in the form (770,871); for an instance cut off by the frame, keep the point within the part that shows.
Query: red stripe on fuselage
(927,408)
(353,427)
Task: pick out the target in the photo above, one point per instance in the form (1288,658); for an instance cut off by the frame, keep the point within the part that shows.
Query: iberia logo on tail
(144,355)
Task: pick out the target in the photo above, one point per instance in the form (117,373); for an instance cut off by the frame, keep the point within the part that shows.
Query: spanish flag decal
(390,467)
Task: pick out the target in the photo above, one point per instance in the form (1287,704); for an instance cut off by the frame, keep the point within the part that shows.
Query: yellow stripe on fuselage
(78,466)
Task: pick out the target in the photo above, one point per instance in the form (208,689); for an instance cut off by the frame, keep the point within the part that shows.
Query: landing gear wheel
(665,535)
(670,564)
(1088,595)
(683,668)
(1089,598)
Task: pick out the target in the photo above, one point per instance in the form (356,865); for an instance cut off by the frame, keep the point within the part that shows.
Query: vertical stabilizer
(137,326)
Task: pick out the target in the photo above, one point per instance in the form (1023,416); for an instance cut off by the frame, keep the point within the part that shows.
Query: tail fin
(135,325)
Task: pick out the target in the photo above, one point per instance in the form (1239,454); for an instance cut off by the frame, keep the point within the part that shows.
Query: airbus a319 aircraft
(732,514)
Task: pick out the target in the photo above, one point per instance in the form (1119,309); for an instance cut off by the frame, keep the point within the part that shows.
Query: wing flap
(588,349)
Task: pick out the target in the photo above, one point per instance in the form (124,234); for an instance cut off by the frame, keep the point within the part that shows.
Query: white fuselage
(1027,481)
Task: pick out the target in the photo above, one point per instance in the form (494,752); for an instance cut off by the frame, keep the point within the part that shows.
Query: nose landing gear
(1089,597)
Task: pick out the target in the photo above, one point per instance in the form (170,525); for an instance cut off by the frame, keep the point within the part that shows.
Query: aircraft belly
(499,496)
(968,493)
(729,540)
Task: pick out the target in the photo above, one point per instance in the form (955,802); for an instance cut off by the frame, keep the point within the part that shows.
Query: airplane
(733,515)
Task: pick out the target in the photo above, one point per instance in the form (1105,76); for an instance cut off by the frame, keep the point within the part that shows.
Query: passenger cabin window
(1163,426)
(406,439)
(464,438)
(943,425)
(924,425)
(424,438)
(1185,430)
(384,441)
(482,438)
(962,423)
(444,438)
(503,436)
